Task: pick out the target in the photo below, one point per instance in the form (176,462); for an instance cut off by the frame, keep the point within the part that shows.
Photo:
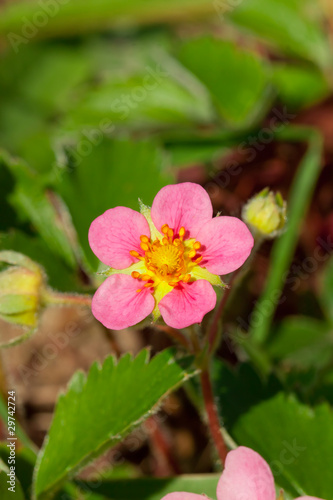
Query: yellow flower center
(168,260)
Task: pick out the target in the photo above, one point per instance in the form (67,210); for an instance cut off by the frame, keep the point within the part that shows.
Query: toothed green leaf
(100,409)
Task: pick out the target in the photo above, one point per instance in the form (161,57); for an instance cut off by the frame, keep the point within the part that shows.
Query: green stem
(213,333)
(66,299)
(284,247)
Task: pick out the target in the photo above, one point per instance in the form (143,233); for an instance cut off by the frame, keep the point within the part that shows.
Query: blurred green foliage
(101,103)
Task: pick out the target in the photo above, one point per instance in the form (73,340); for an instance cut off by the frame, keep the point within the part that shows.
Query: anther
(199,259)
(192,254)
(165,229)
(173,283)
(181,233)
(187,278)
(135,275)
(197,245)
(144,246)
(145,277)
(170,233)
(135,254)
(144,239)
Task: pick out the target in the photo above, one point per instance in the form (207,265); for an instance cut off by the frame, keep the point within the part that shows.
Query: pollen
(169,260)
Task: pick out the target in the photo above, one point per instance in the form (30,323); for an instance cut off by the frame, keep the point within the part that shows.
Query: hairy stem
(66,299)
(214,328)
(175,335)
(213,418)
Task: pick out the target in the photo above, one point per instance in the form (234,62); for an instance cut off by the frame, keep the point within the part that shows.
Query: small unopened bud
(266,214)
(20,289)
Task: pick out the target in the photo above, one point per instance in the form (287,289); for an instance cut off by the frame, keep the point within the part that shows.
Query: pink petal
(115,233)
(182,205)
(182,495)
(226,244)
(246,476)
(118,305)
(187,303)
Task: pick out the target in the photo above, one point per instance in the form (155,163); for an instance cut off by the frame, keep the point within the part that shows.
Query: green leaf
(5,493)
(326,291)
(153,489)
(283,249)
(296,441)
(299,86)
(60,276)
(7,182)
(157,92)
(302,342)
(79,16)
(99,410)
(24,464)
(41,207)
(236,78)
(244,382)
(116,172)
(183,156)
(292,25)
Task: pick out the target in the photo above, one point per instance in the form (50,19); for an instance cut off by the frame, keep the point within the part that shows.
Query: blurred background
(104,102)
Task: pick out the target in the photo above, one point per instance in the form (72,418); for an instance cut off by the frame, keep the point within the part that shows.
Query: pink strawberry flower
(246,476)
(165,260)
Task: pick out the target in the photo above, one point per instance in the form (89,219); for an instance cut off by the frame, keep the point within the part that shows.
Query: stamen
(148,285)
(181,233)
(169,260)
(170,234)
(192,254)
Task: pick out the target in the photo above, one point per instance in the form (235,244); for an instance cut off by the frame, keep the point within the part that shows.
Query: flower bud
(20,289)
(265,214)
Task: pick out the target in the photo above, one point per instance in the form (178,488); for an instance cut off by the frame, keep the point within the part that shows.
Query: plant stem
(66,299)
(176,335)
(214,328)
(213,418)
